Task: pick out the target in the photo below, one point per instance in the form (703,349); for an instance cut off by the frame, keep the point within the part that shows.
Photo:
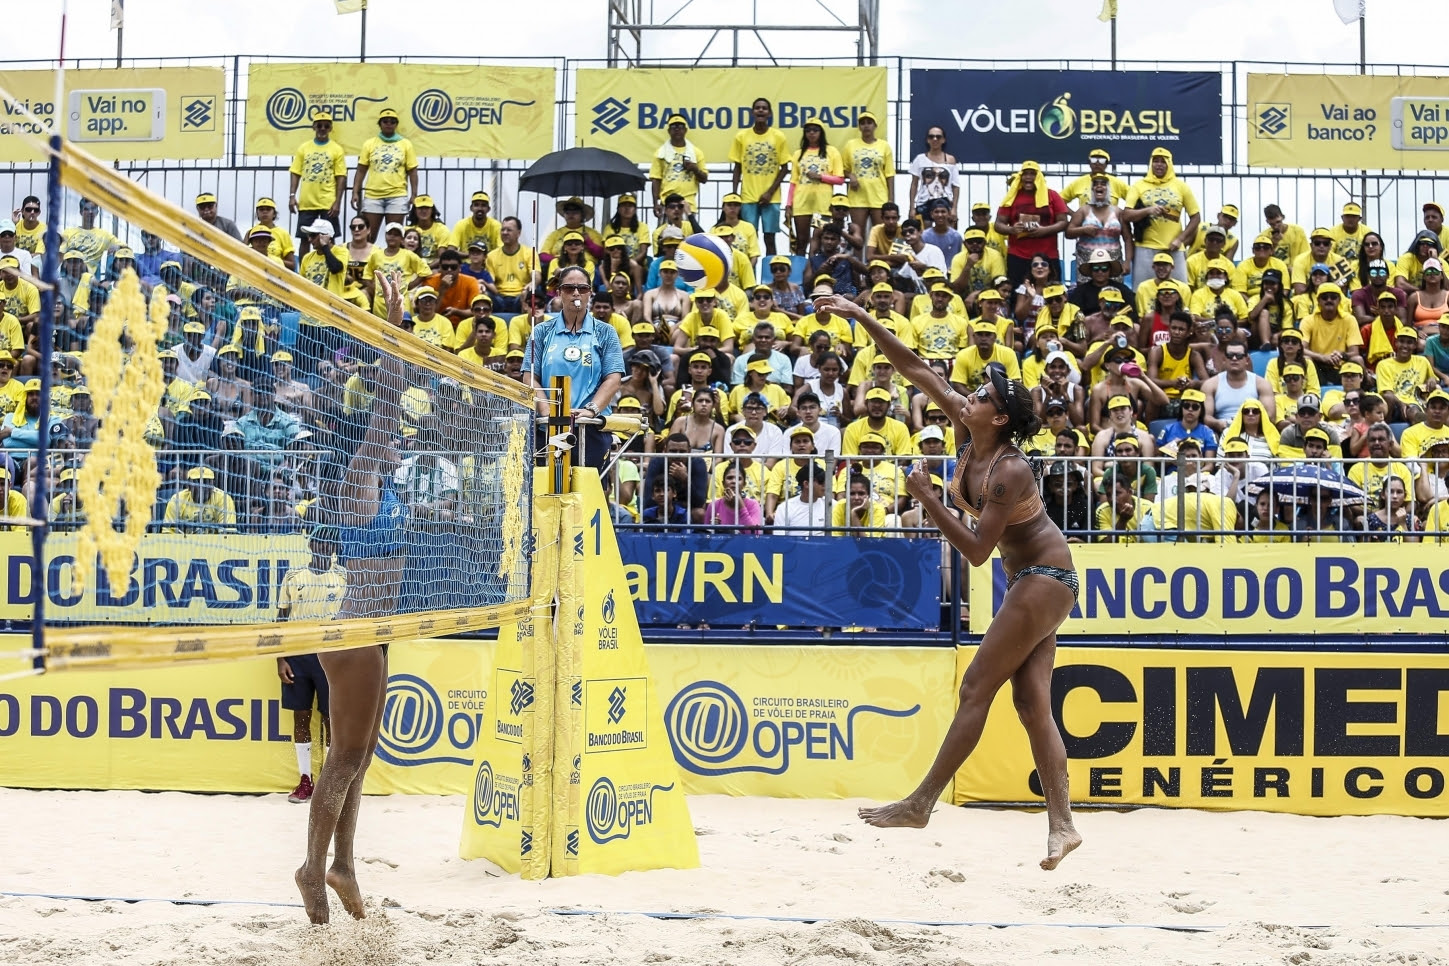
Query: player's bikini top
(1026,508)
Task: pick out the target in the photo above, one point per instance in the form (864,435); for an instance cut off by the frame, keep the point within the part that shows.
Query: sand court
(1253,883)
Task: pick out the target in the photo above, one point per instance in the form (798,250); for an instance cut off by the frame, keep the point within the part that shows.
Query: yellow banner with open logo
(1348,121)
(119,114)
(446,110)
(626,110)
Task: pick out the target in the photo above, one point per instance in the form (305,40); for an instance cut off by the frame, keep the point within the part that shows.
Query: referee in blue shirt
(573,343)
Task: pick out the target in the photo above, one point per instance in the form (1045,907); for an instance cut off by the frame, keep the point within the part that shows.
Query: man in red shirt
(1031,216)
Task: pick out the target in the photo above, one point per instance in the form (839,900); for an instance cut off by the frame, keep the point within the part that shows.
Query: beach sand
(1256,880)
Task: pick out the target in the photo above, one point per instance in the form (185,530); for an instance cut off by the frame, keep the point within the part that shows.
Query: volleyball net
(241,455)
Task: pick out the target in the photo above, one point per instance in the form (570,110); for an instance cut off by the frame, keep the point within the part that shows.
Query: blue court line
(136,899)
(948,922)
(687,916)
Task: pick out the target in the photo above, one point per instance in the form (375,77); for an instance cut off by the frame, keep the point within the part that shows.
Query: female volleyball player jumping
(372,525)
(995,486)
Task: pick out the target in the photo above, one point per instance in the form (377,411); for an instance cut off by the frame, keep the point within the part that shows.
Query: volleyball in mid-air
(703,260)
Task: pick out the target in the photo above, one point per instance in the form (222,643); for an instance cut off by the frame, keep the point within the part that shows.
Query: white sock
(304,758)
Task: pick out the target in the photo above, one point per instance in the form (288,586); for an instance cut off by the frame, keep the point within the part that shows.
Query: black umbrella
(587,172)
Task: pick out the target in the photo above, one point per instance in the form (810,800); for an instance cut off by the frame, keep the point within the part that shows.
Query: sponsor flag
(1109,11)
(118,14)
(350,6)
(1349,10)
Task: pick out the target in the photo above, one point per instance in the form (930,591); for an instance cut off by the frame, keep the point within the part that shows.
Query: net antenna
(286,437)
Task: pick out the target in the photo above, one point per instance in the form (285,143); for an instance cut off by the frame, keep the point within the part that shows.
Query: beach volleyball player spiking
(996,488)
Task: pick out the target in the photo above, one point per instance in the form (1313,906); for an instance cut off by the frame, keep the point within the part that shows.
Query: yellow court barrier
(446,110)
(827,721)
(120,114)
(1348,121)
(626,110)
(1310,733)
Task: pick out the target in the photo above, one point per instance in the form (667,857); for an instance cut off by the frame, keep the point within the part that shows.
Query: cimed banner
(446,110)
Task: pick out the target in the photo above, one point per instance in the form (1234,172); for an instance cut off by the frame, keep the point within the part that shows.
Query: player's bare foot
(907,813)
(314,895)
(344,883)
(1059,845)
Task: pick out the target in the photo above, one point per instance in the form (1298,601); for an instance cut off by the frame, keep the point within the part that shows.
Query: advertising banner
(625,110)
(1306,732)
(1149,590)
(221,727)
(740,579)
(446,110)
(804,722)
(118,114)
(1009,116)
(1348,121)
(209,578)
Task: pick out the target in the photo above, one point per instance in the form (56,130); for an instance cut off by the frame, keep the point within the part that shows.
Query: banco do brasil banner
(1058,116)
(625,110)
(1348,121)
(122,114)
(446,110)
(743,579)
(1152,591)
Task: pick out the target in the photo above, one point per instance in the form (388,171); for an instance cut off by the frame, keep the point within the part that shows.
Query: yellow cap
(1053,291)
(1117,401)
(878,393)
(881,287)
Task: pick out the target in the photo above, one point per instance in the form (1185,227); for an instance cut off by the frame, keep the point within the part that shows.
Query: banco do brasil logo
(1274,121)
(711,733)
(1056,119)
(611,115)
(414,720)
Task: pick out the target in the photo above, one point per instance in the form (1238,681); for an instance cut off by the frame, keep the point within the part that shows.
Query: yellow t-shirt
(23,299)
(752,479)
(1322,336)
(990,266)
(282,244)
(921,305)
(746,243)
(781,480)
(1346,246)
(466,231)
(1404,379)
(970,364)
(1106,516)
(898,324)
(1248,278)
(1230,242)
(692,323)
(839,329)
(1369,477)
(1204,302)
(511,273)
(12,396)
(668,166)
(775,397)
(437,331)
(873,521)
(318,166)
(314,267)
(940,338)
(309,596)
(12,336)
(873,166)
(402,268)
(553,244)
(894,432)
(1174,195)
(31,240)
(1340,270)
(760,157)
(217,511)
(1411,443)
(1411,268)
(1079,190)
(388,164)
(432,239)
(89,243)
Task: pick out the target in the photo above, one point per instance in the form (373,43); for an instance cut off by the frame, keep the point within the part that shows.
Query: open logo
(413,721)
(611,115)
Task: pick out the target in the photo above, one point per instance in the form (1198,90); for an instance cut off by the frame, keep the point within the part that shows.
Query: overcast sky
(1291,30)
